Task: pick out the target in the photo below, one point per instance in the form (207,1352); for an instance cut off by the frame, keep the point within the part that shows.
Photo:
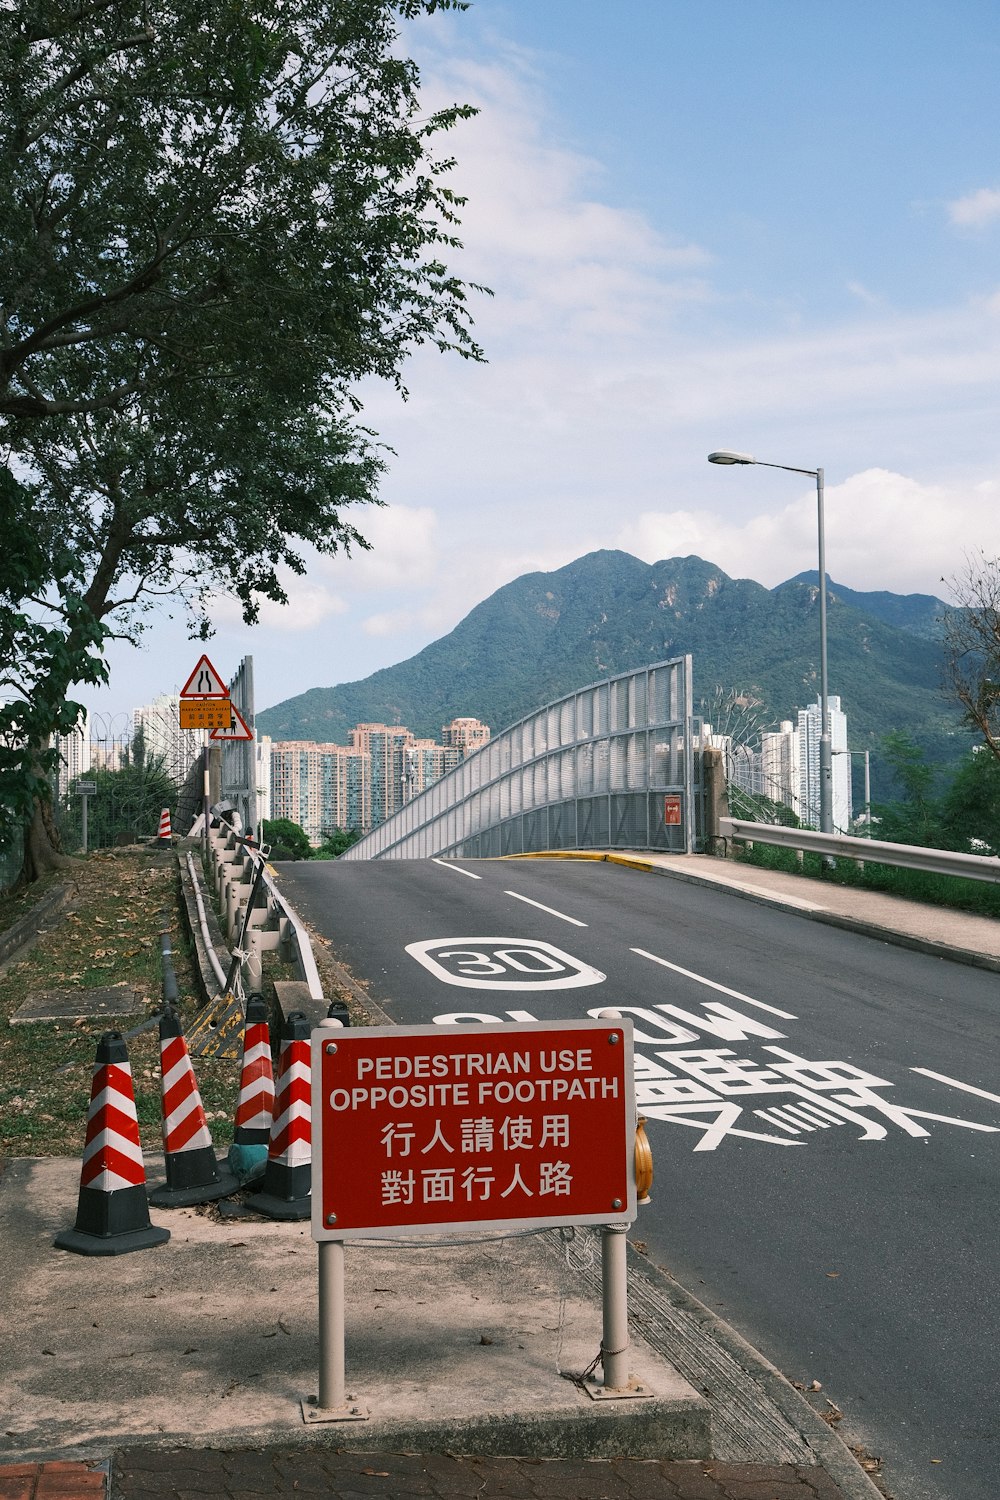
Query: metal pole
(614,1290)
(86,799)
(825,746)
(206,797)
(332,1389)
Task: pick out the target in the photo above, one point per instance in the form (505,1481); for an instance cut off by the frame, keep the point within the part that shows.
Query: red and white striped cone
(163,838)
(255,1109)
(112,1216)
(285,1192)
(193,1174)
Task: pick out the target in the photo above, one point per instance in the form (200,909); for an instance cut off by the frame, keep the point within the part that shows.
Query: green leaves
(215,219)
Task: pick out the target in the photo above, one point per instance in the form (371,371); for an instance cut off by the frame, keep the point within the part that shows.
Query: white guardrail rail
(874,851)
(254,914)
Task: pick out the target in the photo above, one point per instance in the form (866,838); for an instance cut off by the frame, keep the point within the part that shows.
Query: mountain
(545,634)
(918,613)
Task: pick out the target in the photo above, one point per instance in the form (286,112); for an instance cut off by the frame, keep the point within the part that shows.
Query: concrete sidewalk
(184,1359)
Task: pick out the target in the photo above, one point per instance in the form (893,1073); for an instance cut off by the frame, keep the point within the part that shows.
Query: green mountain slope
(545,634)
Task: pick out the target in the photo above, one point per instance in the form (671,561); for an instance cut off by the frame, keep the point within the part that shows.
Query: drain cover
(79,1005)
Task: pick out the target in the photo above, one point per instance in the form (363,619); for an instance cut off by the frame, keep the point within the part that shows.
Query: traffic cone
(255,1109)
(112,1216)
(193,1174)
(163,839)
(287,1182)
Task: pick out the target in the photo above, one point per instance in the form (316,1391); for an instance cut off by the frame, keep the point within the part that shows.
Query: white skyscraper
(808,731)
(74,756)
(163,736)
(779,759)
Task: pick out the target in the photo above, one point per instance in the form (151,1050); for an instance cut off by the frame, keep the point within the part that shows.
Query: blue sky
(768,225)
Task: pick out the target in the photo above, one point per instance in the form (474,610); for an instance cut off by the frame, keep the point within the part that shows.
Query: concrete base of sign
(315,1414)
(598,1392)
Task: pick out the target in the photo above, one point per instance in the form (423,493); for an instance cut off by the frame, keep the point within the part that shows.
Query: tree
(286,839)
(915,818)
(972,647)
(970,813)
(335,841)
(127,803)
(214,221)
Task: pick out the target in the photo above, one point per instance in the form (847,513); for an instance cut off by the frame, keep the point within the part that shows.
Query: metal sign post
(86,790)
(511,1127)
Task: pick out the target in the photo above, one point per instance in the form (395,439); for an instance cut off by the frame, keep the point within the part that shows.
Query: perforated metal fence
(612,766)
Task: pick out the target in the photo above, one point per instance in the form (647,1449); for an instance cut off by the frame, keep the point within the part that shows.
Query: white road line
(550,909)
(966,1087)
(446,864)
(775,1117)
(700,979)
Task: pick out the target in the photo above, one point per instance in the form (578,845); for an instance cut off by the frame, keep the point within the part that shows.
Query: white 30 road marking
(503,963)
(700,979)
(447,865)
(954,1083)
(550,909)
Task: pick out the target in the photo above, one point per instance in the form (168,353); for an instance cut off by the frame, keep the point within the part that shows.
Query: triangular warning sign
(204,682)
(236,729)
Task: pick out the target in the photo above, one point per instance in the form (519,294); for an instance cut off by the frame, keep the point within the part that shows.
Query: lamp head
(726,457)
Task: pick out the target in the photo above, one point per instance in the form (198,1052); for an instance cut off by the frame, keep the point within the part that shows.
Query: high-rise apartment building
(327,786)
(809,729)
(465,735)
(75,758)
(320,786)
(779,765)
(162,735)
(386,745)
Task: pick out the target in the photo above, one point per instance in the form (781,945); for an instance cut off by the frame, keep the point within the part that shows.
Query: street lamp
(825,746)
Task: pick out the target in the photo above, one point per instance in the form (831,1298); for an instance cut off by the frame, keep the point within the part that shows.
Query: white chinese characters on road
(685,1075)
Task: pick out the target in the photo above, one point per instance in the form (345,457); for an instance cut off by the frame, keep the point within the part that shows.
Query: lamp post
(825,747)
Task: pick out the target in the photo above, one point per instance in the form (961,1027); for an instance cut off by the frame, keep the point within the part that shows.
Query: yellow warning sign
(204,713)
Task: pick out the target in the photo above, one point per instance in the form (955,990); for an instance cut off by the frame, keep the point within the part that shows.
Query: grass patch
(977,896)
(124,899)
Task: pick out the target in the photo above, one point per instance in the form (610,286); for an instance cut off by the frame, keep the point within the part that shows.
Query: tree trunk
(42,854)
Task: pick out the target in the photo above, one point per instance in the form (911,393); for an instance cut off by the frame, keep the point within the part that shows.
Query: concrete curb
(25,932)
(931,946)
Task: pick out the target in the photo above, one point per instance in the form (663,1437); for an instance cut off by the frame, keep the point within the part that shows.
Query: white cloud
(883,530)
(403,550)
(309,605)
(975,209)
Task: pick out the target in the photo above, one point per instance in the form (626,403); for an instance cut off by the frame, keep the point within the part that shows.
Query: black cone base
(193,1177)
(280,1208)
(112,1223)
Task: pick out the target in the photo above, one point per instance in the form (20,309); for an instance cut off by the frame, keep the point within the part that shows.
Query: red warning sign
(204,682)
(422,1127)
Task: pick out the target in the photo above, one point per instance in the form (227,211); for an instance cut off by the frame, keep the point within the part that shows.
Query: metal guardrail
(241,871)
(910,856)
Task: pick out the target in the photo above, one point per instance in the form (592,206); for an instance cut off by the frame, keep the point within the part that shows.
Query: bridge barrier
(610,766)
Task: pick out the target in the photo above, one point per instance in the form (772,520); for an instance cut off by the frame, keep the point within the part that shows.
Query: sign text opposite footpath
(417,1129)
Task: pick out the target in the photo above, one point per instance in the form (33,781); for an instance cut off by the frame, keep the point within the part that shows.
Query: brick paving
(56,1480)
(192,1474)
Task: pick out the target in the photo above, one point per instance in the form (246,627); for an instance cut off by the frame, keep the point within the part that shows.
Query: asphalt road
(824,1113)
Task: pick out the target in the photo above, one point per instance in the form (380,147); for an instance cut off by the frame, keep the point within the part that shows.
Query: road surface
(823,1108)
